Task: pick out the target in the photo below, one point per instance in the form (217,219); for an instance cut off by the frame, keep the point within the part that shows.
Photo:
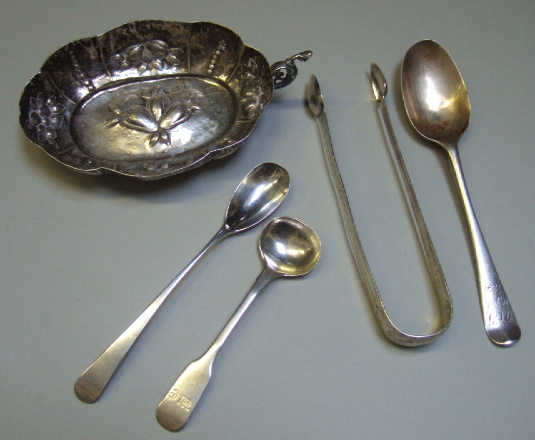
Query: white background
(81,256)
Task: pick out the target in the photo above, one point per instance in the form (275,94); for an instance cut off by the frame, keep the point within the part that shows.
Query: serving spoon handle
(498,317)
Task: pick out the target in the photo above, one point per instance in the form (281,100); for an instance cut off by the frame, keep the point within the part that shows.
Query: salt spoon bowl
(437,104)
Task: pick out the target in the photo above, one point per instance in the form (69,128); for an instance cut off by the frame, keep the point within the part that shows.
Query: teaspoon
(260,192)
(437,104)
(289,248)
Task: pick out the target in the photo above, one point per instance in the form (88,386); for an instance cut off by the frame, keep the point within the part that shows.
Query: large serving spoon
(260,192)
(437,104)
(289,248)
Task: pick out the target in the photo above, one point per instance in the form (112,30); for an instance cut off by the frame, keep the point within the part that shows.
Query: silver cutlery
(256,197)
(437,104)
(380,90)
(389,329)
(289,248)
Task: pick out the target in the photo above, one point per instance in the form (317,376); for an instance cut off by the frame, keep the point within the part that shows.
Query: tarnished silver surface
(150,99)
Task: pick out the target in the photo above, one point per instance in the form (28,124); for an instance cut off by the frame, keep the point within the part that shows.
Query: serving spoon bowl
(438,107)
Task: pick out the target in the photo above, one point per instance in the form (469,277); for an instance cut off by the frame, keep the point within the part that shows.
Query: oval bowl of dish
(150,99)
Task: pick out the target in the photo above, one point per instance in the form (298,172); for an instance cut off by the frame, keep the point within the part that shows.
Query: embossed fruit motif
(151,56)
(158,115)
(45,115)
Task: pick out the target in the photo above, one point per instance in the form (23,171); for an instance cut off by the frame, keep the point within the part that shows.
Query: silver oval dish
(150,99)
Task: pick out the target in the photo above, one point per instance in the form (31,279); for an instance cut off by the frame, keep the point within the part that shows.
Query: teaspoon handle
(175,409)
(92,382)
(499,319)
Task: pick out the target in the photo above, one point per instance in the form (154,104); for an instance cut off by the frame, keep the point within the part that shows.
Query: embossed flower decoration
(153,55)
(157,116)
(45,116)
(252,102)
